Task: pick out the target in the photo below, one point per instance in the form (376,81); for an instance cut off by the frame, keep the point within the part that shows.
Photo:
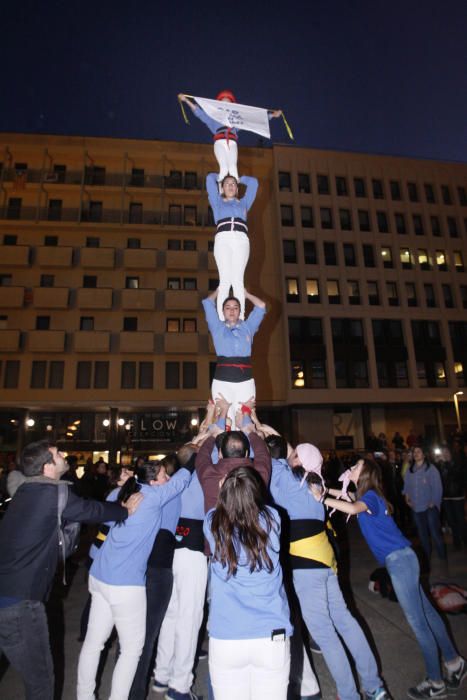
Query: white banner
(253,119)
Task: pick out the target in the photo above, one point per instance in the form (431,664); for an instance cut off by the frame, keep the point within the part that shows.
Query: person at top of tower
(225,138)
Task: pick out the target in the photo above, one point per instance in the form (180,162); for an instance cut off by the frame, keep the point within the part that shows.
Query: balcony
(46,341)
(98,257)
(91,298)
(11,297)
(181,300)
(140,258)
(181,260)
(181,343)
(15,255)
(9,340)
(101,178)
(50,297)
(137,341)
(91,341)
(101,216)
(134,299)
(54,256)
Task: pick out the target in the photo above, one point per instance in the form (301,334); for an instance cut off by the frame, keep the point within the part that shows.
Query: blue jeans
(24,639)
(428,526)
(426,623)
(326,616)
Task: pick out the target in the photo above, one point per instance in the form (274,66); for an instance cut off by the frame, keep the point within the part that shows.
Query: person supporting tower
(233,340)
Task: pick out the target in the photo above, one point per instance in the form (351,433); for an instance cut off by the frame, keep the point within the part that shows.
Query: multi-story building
(106,253)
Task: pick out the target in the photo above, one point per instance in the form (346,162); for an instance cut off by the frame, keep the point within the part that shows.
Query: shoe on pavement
(159,687)
(175,695)
(378,694)
(428,689)
(202,655)
(454,679)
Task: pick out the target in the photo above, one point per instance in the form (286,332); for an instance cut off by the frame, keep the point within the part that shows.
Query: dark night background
(379,77)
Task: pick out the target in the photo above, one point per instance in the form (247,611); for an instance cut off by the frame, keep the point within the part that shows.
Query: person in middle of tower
(233,341)
(231,243)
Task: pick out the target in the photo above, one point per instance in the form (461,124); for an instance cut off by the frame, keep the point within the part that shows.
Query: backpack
(68,532)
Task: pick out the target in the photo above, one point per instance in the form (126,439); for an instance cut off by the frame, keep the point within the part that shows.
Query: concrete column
(439,423)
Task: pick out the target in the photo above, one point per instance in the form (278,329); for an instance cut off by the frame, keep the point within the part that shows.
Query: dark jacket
(452,476)
(29,538)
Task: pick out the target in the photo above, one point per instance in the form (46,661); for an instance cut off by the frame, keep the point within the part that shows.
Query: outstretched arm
(274,113)
(184,98)
(251,184)
(343,506)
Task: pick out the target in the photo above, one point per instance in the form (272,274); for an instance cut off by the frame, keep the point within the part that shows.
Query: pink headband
(311,460)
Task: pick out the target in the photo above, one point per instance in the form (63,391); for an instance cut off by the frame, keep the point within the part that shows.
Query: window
(418,225)
(56,373)
(137,177)
(86,323)
(326,217)
(359,187)
(11,376)
(373,293)
(190,283)
(173,325)
(89,281)
(400,223)
(174,181)
(452,227)
(95,211)
(345,219)
(47,280)
(411,293)
(83,375)
(312,291)
(93,242)
(391,291)
(133,243)
(287,218)
(423,259)
(146,374)
(382,219)
(332,288)
(349,255)
(309,252)
(330,255)
(101,375)
(304,183)
(51,241)
(298,374)
(323,184)
(3,325)
(189,244)
(289,251)
(430,298)
(131,282)
(128,375)
(54,211)
(175,214)
(413,191)
(341,186)
(135,214)
(458,261)
(441,260)
(435,226)
(130,323)
(378,191)
(306,214)
(59,172)
(173,283)
(174,244)
(190,375)
(368,255)
(14,208)
(459,372)
(364,220)
(309,374)
(462,194)
(42,323)
(440,374)
(189,325)
(5,280)
(448,296)
(395,188)
(190,215)
(293,292)
(9,239)
(172,375)
(191,180)
(446,194)
(285,184)
(213,284)
(386,255)
(38,373)
(429,193)
(406,259)
(353,290)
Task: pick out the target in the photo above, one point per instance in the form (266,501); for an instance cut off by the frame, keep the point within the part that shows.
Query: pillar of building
(439,423)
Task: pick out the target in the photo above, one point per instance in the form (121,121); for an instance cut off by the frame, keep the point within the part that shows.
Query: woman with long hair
(394,551)
(249,619)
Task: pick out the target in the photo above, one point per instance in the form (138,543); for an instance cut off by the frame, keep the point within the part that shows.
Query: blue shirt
(232,341)
(378,528)
(122,558)
(193,500)
(227,208)
(424,487)
(248,605)
(286,491)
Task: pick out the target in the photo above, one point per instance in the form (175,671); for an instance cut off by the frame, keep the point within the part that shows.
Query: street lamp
(456,406)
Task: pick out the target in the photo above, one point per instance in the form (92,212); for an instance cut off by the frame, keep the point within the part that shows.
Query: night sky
(378,77)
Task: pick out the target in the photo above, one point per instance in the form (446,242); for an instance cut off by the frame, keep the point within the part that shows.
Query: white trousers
(178,637)
(249,669)
(226,153)
(231,252)
(124,607)
(234,392)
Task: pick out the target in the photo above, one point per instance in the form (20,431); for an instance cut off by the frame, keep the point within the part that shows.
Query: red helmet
(226,95)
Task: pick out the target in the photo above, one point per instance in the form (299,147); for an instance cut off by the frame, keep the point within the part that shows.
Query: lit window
(293,293)
(312,291)
(298,375)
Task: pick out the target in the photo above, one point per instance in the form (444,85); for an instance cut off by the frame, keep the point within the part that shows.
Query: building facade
(106,253)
